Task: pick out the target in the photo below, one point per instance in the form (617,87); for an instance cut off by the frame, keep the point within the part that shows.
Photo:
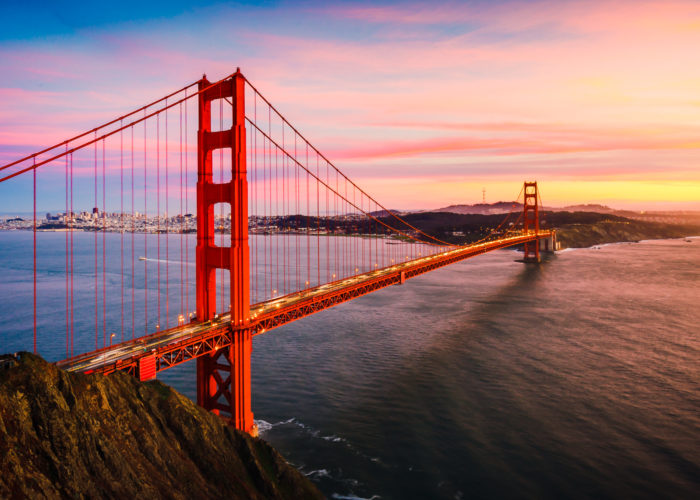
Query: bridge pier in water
(223,377)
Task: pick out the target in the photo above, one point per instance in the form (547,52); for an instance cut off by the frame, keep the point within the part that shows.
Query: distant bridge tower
(223,378)
(531,221)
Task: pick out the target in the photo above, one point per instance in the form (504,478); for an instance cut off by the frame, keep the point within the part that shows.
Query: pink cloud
(505,147)
(505,82)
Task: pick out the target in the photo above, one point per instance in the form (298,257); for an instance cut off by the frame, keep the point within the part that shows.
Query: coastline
(648,240)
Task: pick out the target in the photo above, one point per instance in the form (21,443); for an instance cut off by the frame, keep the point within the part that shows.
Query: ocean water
(579,377)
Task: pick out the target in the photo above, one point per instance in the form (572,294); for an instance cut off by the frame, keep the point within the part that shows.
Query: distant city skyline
(421,105)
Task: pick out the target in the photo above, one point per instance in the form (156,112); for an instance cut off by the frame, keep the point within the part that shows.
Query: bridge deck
(183,343)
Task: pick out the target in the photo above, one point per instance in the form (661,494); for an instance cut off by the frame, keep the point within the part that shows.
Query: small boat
(142,258)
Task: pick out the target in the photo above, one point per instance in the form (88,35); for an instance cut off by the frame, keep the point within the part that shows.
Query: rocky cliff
(65,435)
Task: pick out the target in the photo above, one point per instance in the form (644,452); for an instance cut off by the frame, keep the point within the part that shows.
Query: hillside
(65,435)
(574,229)
(585,229)
(501,207)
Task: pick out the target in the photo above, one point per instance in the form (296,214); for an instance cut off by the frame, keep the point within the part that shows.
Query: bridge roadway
(183,343)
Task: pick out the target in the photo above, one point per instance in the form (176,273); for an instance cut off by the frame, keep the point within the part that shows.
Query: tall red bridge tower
(223,377)
(531,221)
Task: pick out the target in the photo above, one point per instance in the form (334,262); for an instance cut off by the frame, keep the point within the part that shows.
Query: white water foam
(353,497)
(334,439)
(264,426)
(318,473)
(313,432)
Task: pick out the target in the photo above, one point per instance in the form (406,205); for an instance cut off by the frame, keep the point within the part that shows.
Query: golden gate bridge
(281,233)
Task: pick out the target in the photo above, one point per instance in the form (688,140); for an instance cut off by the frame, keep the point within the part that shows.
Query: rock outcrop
(65,435)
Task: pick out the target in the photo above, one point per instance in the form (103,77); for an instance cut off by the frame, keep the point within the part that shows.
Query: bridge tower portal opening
(223,378)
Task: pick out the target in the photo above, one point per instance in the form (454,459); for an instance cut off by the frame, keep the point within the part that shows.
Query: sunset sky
(422,104)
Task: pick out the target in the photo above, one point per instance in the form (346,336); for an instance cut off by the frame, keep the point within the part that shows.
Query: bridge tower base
(531,222)
(223,378)
(548,245)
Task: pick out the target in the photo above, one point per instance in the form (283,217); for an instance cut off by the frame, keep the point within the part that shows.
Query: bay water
(577,378)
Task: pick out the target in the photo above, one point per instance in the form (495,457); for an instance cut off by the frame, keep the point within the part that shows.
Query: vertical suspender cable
(34,247)
(254,142)
(104,251)
(269,178)
(327,219)
(283,215)
(298,213)
(308,218)
(65,221)
(318,225)
(95,238)
(158,216)
(145,230)
(167,228)
(72,303)
(133,253)
(187,210)
(182,231)
(279,238)
(121,222)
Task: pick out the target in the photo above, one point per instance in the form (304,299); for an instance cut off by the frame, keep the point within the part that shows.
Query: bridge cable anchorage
(317,238)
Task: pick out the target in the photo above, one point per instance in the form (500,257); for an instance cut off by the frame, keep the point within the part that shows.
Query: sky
(423,104)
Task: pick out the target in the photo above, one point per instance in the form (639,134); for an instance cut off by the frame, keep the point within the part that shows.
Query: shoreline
(628,242)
